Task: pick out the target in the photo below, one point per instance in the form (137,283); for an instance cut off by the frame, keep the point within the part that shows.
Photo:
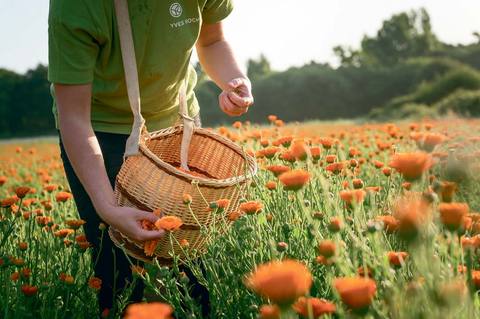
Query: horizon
(284,45)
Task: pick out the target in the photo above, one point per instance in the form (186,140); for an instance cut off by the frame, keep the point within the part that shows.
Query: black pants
(109,256)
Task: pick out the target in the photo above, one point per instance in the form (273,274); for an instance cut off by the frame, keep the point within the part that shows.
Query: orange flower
(264,143)
(80,238)
(29,290)
(47,205)
(233,216)
(476,278)
(411,165)
(68,279)
(84,245)
(15,276)
(453,215)
(285,141)
(447,190)
(272,118)
(335,224)
(315,152)
(270,152)
(29,201)
(330,158)
(43,220)
(75,223)
(430,140)
(407,185)
(278,169)
(3,180)
(62,233)
(169,223)
(373,189)
(63,196)
(50,187)
(356,292)
(22,191)
(353,196)
(184,243)
(327,143)
(397,259)
(9,201)
(223,203)
(327,248)
(271,185)
(269,312)
(150,246)
(280,281)
(378,164)
(251,207)
(335,168)
(411,213)
(288,157)
(357,183)
(153,310)
(352,152)
(322,260)
(387,171)
(237,124)
(294,180)
(470,243)
(362,272)
(95,283)
(187,199)
(25,273)
(22,245)
(319,307)
(299,150)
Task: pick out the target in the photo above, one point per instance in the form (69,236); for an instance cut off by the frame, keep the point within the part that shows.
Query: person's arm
(218,61)
(83,151)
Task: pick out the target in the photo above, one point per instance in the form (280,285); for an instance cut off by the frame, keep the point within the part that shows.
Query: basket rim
(252,164)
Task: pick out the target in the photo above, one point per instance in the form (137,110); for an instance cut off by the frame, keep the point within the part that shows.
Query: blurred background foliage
(404,71)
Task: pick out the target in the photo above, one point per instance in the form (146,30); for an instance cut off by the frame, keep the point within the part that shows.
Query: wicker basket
(149,178)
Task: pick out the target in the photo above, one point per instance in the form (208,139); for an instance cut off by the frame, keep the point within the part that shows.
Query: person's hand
(127,220)
(237,98)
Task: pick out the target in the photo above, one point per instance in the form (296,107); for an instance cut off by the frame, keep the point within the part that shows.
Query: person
(93,114)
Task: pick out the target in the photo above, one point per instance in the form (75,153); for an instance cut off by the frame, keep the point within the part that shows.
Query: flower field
(342,221)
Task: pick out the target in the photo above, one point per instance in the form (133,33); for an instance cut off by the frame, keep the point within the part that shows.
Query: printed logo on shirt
(176,10)
(183,22)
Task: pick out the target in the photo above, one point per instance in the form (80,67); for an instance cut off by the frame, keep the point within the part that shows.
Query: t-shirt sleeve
(216,10)
(72,48)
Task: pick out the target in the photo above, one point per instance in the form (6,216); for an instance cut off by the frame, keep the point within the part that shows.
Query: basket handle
(188,126)
(133,91)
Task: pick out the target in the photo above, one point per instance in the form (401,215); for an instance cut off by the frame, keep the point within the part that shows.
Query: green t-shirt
(84,48)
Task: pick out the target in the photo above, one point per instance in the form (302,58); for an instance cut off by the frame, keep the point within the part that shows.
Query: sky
(289,32)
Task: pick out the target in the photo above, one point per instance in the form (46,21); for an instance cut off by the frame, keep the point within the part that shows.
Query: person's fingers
(227,106)
(244,101)
(146,215)
(144,235)
(233,84)
(238,82)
